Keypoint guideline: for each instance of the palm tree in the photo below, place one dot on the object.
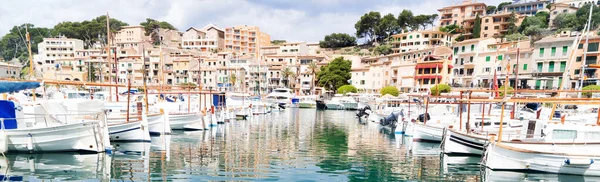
(313, 69)
(233, 80)
(287, 73)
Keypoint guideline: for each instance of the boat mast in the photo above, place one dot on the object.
(31, 74)
(144, 78)
(108, 56)
(581, 73)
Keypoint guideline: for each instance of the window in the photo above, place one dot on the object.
(540, 66)
(593, 47)
(463, 49)
(455, 50)
(471, 59)
(418, 36)
(541, 52)
(551, 66)
(577, 71)
(564, 134)
(564, 51)
(487, 69)
(524, 67)
(410, 37)
(496, 27)
(488, 59)
(487, 20)
(500, 57)
(580, 46)
(473, 47)
(485, 28)
(553, 51)
(591, 60)
(578, 59)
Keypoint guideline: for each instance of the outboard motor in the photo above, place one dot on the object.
(422, 118)
(390, 119)
(363, 111)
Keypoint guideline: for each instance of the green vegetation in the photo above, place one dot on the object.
(89, 32)
(512, 24)
(508, 90)
(188, 84)
(337, 40)
(377, 29)
(477, 27)
(278, 42)
(515, 37)
(451, 29)
(13, 44)
(501, 5)
(390, 90)
(313, 69)
(384, 49)
(590, 87)
(490, 9)
(576, 21)
(335, 74)
(152, 28)
(347, 89)
(287, 73)
(440, 88)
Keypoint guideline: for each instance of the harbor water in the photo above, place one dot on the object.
(292, 145)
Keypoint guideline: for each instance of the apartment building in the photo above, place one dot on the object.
(591, 75)
(578, 3)
(418, 40)
(208, 39)
(132, 37)
(498, 58)
(433, 69)
(245, 40)
(557, 9)
(527, 7)
(456, 14)
(551, 56)
(497, 25)
(56, 59)
(469, 69)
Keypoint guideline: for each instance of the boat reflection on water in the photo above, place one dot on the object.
(55, 166)
(491, 175)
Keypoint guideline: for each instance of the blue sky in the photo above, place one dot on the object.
(293, 20)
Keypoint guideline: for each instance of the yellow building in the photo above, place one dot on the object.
(245, 40)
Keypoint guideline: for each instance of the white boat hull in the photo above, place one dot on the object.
(427, 133)
(129, 132)
(456, 143)
(575, 159)
(83, 137)
(159, 125)
(187, 121)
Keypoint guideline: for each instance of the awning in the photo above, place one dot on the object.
(428, 76)
(432, 66)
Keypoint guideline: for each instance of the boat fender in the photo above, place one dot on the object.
(30, 142)
(579, 161)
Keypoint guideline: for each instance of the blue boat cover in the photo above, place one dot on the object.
(7, 111)
(17, 86)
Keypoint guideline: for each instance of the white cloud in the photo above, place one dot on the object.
(290, 20)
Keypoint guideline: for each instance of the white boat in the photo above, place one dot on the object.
(550, 147)
(334, 104)
(42, 127)
(280, 96)
(440, 117)
(307, 101)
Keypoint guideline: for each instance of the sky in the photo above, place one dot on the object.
(292, 20)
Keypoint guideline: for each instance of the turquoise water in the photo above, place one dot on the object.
(294, 145)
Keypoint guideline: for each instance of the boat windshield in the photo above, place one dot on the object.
(80, 95)
(238, 98)
(280, 91)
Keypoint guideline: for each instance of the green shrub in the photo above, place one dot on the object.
(347, 89)
(389, 90)
(508, 89)
(442, 88)
(590, 87)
